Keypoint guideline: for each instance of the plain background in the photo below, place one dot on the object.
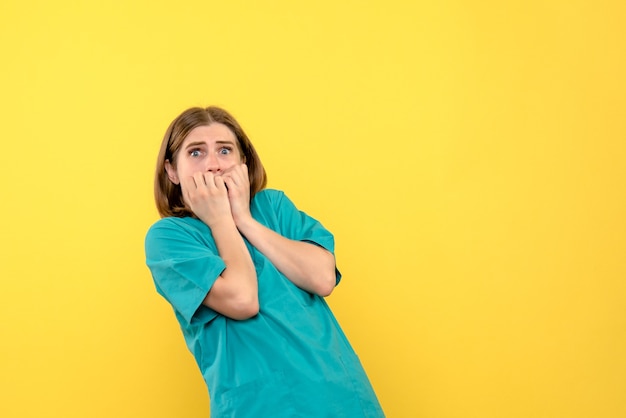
(468, 155)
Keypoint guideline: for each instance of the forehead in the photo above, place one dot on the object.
(215, 132)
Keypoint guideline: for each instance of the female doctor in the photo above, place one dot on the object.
(246, 274)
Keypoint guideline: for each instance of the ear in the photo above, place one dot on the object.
(171, 172)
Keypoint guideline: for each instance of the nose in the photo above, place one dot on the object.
(213, 165)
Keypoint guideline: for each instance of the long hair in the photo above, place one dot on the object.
(167, 195)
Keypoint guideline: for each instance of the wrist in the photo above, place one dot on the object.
(219, 222)
(245, 224)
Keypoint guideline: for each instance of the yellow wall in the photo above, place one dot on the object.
(468, 155)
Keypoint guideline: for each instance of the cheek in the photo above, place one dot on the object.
(189, 167)
(237, 160)
(231, 160)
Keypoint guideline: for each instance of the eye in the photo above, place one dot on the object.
(225, 150)
(195, 152)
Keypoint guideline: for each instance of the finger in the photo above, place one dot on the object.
(231, 178)
(229, 182)
(240, 174)
(187, 183)
(242, 169)
(200, 179)
(218, 181)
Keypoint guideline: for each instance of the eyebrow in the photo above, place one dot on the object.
(201, 143)
(226, 141)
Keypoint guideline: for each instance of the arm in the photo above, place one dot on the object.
(308, 266)
(235, 292)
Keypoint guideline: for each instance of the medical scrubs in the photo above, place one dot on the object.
(290, 360)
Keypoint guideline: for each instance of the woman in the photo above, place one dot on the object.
(246, 273)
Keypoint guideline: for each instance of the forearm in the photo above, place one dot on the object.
(308, 266)
(235, 292)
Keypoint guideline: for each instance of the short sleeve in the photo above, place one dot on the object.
(297, 225)
(183, 266)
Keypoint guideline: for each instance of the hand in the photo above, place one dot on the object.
(238, 184)
(207, 197)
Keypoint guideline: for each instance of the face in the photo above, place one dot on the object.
(211, 148)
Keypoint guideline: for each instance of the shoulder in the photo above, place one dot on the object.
(173, 226)
(269, 194)
(177, 237)
(269, 198)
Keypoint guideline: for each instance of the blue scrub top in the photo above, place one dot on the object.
(290, 360)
